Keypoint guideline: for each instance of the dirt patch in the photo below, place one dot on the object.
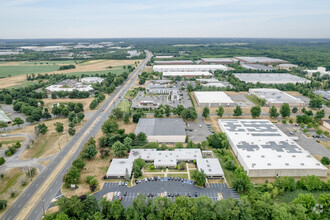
(45, 162)
(128, 127)
(11, 81)
(52, 210)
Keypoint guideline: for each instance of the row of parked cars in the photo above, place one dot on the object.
(210, 128)
(172, 178)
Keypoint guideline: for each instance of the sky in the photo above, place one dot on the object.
(22, 19)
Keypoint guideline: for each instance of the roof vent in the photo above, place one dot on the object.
(302, 164)
(293, 155)
(248, 156)
(263, 156)
(317, 164)
(286, 164)
(279, 156)
(269, 164)
(308, 155)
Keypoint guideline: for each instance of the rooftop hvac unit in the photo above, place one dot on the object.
(269, 164)
(302, 164)
(287, 164)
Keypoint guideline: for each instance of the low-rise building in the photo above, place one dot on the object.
(187, 74)
(321, 70)
(69, 85)
(217, 60)
(161, 89)
(277, 98)
(287, 66)
(163, 130)
(213, 99)
(265, 151)
(263, 60)
(256, 66)
(4, 118)
(188, 68)
(323, 93)
(165, 159)
(326, 123)
(173, 62)
(270, 78)
(91, 80)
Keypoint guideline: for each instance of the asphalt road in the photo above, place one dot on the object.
(92, 129)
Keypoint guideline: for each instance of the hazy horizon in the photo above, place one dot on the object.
(81, 19)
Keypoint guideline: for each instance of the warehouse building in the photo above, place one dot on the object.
(321, 70)
(188, 68)
(91, 80)
(217, 60)
(270, 78)
(277, 98)
(323, 93)
(187, 74)
(4, 118)
(164, 130)
(163, 57)
(161, 89)
(256, 66)
(287, 66)
(69, 85)
(165, 159)
(326, 123)
(265, 151)
(262, 60)
(213, 99)
(173, 62)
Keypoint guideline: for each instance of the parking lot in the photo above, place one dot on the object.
(198, 131)
(169, 188)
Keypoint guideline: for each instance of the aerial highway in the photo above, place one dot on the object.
(34, 201)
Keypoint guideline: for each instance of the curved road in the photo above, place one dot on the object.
(44, 188)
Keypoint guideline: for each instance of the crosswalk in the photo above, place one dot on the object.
(218, 185)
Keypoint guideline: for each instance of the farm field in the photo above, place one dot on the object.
(17, 70)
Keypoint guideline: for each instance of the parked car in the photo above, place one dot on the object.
(125, 193)
(120, 198)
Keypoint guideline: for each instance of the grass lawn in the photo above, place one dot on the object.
(124, 105)
(115, 71)
(177, 170)
(183, 175)
(23, 84)
(130, 94)
(287, 197)
(5, 71)
(147, 168)
(253, 99)
(10, 182)
(228, 173)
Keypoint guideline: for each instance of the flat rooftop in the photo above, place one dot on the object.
(255, 66)
(275, 96)
(173, 61)
(161, 126)
(213, 97)
(270, 78)
(259, 60)
(186, 74)
(323, 93)
(210, 166)
(188, 68)
(4, 117)
(225, 60)
(261, 145)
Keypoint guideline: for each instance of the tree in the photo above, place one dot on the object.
(119, 149)
(181, 166)
(294, 109)
(285, 110)
(3, 204)
(241, 182)
(306, 200)
(40, 129)
(3, 124)
(71, 131)
(167, 110)
(2, 160)
(141, 139)
(273, 112)
(190, 87)
(220, 111)
(316, 102)
(18, 121)
(126, 118)
(118, 112)
(255, 111)
(59, 127)
(72, 177)
(218, 140)
(109, 126)
(206, 112)
(90, 151)
(319, 114)
(325, 161)
(79, 163)
(238, 111)
(199, 177)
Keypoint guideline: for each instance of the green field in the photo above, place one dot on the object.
(6, 71)
(124, 106)
(115, 71)
(23, 84)
(288, 197)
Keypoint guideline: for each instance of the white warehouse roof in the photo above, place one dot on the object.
(188, 68)
(213, 97)
(274, 96)
(270, 78)
(264, 150)
(183, 74)
(92, 80)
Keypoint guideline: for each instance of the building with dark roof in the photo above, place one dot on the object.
(164, 130)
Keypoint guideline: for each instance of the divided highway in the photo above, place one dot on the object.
(37, 197)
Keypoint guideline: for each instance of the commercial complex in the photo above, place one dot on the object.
(265, 151)
(163, 57)
(287, 66)
(217, 60)
(264, 60)
(187, 74)
(270, 78)
(277, 98)
(69, 85)
(161, 89)
(173, 62)
(165, 159)
(252, 66)
(188, 68)
(213, 99)
(164, 130)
